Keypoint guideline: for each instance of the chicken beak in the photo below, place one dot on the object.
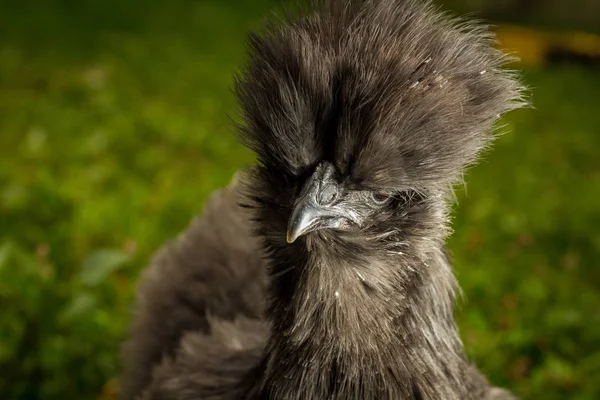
(316, 208)
(305, 218)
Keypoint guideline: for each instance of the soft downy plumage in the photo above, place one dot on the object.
(321, 273)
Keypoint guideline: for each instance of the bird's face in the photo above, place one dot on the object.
(325, 202)
(329, 204)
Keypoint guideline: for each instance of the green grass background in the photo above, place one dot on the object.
(114, 129)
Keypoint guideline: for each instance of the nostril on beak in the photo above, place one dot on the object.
(327, 195)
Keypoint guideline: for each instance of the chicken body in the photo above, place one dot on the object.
(199, 302)
(199, 331)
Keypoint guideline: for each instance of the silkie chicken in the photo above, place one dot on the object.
(321, 272)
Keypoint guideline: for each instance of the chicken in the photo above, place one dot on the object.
(321, 272)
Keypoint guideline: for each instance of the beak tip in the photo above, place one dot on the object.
(290, 238)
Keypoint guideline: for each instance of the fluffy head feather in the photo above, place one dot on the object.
(393, 93)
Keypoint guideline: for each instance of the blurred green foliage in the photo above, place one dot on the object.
(113, 130)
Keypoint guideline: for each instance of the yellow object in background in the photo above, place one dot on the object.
(110, 391)
(536, 47)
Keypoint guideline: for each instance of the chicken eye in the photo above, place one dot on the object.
(380, 198)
